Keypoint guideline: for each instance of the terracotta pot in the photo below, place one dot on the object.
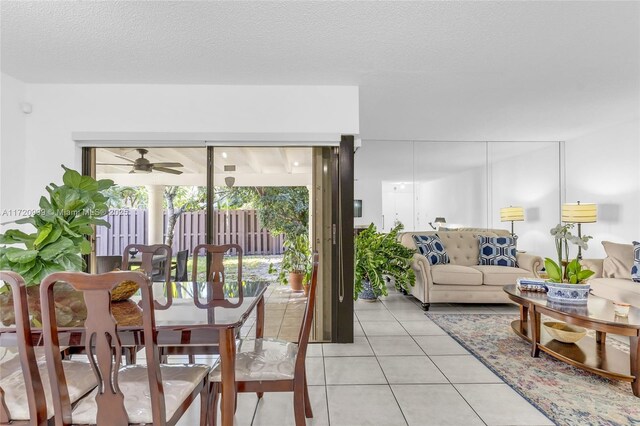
(295, 280)
(305, 288)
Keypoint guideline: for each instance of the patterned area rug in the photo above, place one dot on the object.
(567, 395)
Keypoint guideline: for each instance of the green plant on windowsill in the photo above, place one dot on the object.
(63, 223)
(378, 254)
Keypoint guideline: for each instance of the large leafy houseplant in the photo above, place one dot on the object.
(65, 218)
(378, 254)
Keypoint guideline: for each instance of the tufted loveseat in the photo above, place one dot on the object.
(463, 280)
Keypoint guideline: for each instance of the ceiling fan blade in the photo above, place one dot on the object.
(113, 164)
(165, 170)
(125, 158)
(156, 165)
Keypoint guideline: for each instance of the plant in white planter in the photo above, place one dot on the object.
(566, 282)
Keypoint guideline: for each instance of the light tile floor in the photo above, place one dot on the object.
(402, 369)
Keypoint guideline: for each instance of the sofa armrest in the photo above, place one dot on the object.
(530, 262)
(595, 265)
(421, 266)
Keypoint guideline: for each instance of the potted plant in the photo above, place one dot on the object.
(62, 224)
(566, 283)
(296, 261)
(378, 255)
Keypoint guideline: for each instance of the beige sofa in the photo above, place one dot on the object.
(612, 278)
(463, 280)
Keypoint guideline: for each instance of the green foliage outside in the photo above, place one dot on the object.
(62, 224)
(378, 254)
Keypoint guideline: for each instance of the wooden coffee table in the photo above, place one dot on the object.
(590, 354)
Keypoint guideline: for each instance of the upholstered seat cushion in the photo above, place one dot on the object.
(455, 275)
(617, 289)
(178, 382)
(80, 379)
(501, 275)
(262, 359)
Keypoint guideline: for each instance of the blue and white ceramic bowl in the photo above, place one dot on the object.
(571, 294)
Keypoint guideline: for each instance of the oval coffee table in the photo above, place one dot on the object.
(590, 354)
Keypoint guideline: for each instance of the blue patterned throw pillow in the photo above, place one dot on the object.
(498, 251)
(635, 269)
(431, 247)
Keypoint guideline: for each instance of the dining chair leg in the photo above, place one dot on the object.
(307, 403)
(298, 402)
(214, 397)
(204, 404)
(192, 359)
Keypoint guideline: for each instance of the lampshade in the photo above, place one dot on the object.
(357, 208)
(579, 212)
(508, 214)
(440, 220)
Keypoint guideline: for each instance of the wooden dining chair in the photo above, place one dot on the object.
(216, 265)
(134, 394)
(22, 366)
(25, 393)
(146, 264)
(270, 365)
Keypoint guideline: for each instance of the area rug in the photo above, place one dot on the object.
(565, 394)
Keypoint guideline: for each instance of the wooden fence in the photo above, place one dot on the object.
(233, 226)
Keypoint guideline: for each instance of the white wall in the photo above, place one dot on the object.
(59, 110)
(603, 167)
(460, 197)
(13, 167)
(528, 176)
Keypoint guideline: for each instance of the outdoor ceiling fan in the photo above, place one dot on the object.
(142, 165)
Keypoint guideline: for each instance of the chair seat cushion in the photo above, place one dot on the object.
(80, 380)
(262, 359)
(455, 275)
(501, 275)
(178, 383)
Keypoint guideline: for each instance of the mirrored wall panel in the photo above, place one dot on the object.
(437, 185)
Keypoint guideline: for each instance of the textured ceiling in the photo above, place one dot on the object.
(426, 70)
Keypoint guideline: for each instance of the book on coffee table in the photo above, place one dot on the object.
(531, 284)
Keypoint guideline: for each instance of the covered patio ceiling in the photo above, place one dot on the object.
(273, 166)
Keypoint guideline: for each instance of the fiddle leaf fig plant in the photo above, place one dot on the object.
(65, 218)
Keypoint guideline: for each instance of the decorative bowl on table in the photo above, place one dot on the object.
(123, 291)
(563, 332)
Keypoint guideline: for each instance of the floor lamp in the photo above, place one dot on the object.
(512, 214)
(579, 213)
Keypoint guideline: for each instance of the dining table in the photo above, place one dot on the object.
(194, 318)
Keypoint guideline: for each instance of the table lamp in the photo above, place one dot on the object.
(439, 222)
(512, 214)
(579, 213)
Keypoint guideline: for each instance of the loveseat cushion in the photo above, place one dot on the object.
(431, 247)
(616, 289)
(501, 275)
(498, 251)
(619, 260)
(455, 275)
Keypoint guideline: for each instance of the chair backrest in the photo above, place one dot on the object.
(28, 363)
(307, 319)
(216, 266)
(102, 344)
(182, 257)
(108, 263)
(147, 253)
